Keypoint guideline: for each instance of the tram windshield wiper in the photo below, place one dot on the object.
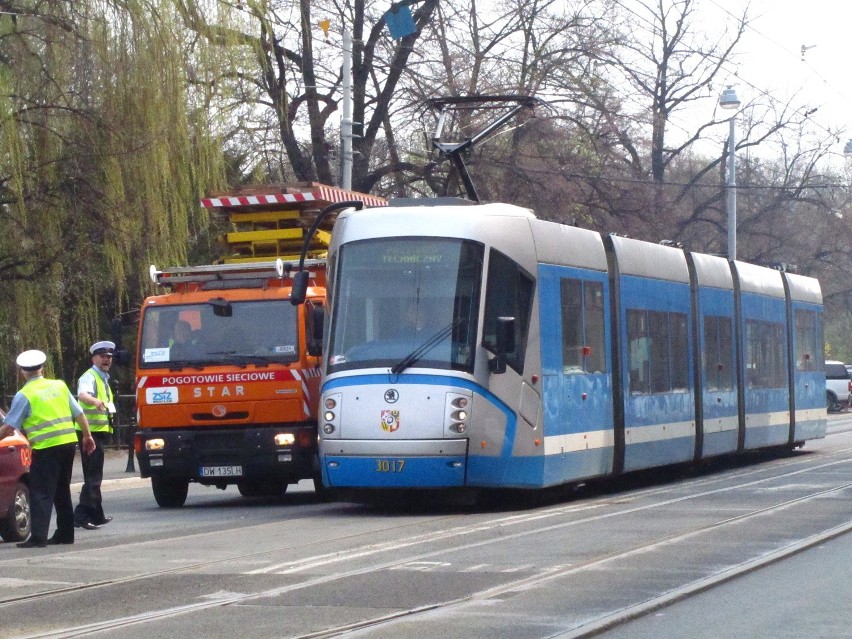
(424, 348)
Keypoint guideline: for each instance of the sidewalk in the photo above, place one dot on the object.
(115, 467)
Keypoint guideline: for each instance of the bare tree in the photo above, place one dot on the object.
(296, 77)
(670, 63)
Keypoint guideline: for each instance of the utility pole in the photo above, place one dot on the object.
(729, 100)
(346, 119)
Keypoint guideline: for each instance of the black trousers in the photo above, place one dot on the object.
(91, 508)
(50, 485)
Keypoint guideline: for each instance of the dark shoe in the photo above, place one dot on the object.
(105, 521)
(87, 525)
(33, 543)
(53, 541)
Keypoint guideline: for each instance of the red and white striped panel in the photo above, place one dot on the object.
(319, 194)
(254, 200)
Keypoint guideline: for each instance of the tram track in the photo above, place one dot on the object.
(502, 531)
(625, 615)
(588, 630)
(318, 560)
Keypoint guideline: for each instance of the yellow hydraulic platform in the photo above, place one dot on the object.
(267, 224)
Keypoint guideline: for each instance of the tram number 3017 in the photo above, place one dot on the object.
(390, 465)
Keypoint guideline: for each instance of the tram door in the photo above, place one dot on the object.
(808, 370)
(717, 374)
(577, 378)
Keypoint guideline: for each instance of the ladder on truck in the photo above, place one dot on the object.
(243, 273)
(266, 224)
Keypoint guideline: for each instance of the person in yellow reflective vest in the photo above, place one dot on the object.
(45, 411)
(95, 397)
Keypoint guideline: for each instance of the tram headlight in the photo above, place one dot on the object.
(460, 402)
(456, 414)
(330, 418)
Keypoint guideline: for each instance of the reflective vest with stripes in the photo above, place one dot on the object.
(98, 419)
(50, 422)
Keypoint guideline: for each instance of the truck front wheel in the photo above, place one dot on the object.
(170, 493)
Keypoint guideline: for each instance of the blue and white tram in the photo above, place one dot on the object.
(477, 346)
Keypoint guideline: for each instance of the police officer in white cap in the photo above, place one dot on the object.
(45, 411)
(95, 396)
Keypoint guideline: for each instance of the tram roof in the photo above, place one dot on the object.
(569, 246)
(645, 259)
(712, 271)
(804, 289)
(759, 280)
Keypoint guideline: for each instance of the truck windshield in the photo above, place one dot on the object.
(218, 332)
(406, 302)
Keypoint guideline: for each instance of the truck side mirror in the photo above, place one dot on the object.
(121, 356)
(115, 331)
(505, 343)
(316, 319)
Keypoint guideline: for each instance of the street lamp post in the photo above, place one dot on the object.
(729, 100)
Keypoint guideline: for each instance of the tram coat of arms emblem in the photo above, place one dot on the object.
(390, 420)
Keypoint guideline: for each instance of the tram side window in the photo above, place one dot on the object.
(582, 326)
(717, 355)
(509, 293)
(764, 355)
(639, 353)
(657, 352)
(808, 351)
(679, 351)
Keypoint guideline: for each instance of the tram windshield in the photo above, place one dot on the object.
(239, 333)
(406, 302)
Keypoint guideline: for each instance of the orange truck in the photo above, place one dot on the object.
(227, 369)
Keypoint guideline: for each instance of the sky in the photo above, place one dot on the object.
(770, 56)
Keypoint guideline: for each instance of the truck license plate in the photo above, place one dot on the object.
(221, 471)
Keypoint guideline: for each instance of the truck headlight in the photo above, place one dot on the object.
(285, 439)
(155, 444)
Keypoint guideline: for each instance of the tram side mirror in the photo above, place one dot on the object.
(300, 288)
(316, 318)
(505, 343)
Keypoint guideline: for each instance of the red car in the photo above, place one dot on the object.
(15, 456)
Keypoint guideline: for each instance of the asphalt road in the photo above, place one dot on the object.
(806, 595)
(754, 549)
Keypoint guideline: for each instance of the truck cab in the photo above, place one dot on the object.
(228, 380)
(227, 365)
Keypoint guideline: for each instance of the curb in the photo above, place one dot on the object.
(117, 484)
